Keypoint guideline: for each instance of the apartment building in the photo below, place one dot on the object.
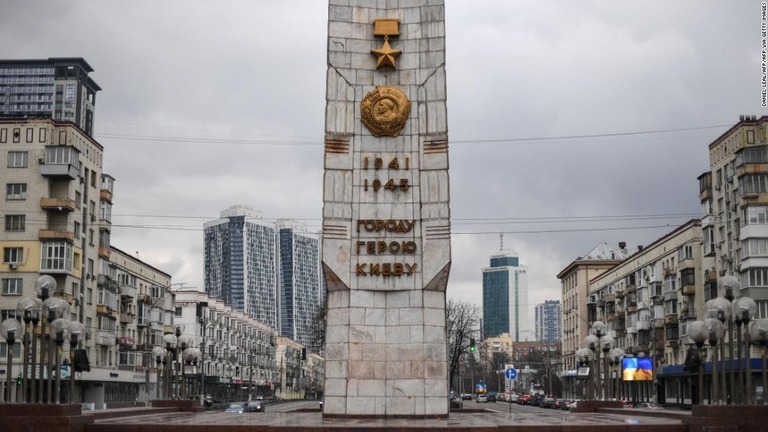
(548, 321)
(574, 283)
(647, 302)
(238, 352)
(56, 88)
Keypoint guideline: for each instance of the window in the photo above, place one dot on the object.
(77, 229)
(17, 159)
(12, 286)
(13, 255)
(42, 133)
(16, 135)
(757, 277)
(687, 277)
(754, 247)
(16, 350)
(78, 199)
(69, 92)
(30, 135)
(16, 191)
(57, 255)
(3, 135)
(90, 237)
(89, 296)
(14, 222)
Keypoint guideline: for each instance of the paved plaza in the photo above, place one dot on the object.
(313, 421)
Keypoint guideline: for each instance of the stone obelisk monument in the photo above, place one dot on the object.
(386, 217)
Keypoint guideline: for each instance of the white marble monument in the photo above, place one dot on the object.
(386, 216)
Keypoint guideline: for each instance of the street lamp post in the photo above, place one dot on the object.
(744, 309)
(54, 308)
(170, 346)
(728, 286)
(76, 335)
(714, 329)
(592, 342)
(614, 357)
(158, 353)
(27, 308)
(720, 308)
(606, 344)
(60, 332)
(698, 332)
(44, 286)
(584, 357)
(9, 330)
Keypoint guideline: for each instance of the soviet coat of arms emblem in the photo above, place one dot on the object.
(385, 110)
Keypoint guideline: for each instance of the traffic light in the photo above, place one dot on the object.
(472, 345)
(18, 380)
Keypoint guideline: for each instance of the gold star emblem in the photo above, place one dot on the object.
(386, 55)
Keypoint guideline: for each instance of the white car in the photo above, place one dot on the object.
(482, 397)
(513, 398)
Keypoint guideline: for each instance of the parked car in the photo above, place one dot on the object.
(235, 407)
(649, 405)
(482, 397)
(514, 398)
(566, 404)
(547, 402)
(524, 399)
(492, 397)
(255, 406)
(466, 396)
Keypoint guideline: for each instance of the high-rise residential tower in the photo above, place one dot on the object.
(548, 321)
(299, 287)
(240, 263)
(505, 297)
(57, 88)
(270, 271)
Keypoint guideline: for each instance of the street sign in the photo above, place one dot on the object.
(511, 373)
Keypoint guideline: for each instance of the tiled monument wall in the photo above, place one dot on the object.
(386, 218)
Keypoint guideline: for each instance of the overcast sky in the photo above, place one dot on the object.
(209, 104)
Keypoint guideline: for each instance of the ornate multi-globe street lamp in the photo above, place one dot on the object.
(744, 309)
(584, 357)
(714, 330)
(59, 332)
(606, 344)
(758, 333)
(159, 354)
(170, 347)
(614, 359)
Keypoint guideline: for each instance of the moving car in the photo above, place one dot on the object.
(255, 406)
(235, 407)
(482, 397)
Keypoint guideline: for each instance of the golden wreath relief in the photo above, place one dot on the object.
(384, 111)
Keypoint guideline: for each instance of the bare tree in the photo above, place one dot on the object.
(317, 327)
(463, 321)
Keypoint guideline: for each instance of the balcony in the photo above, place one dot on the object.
(142, 321)
(61, 161)
(673, 343)
(658, 344)
(105, 338)
(127, 318)
(643, 348)
(57, 204)
(128, 291)
(103, 310)
(144, 298)
(168, 329)
(670, 319)
(631, 309)
(47, 234)
(688, 313)
(689, 290)
(631, 289)
(621, 332)
(611, 317)
(619, 293)
(105, 195)
(64, 296)
(104, 252)
(658, 323)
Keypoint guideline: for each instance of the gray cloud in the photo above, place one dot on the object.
(204, 72)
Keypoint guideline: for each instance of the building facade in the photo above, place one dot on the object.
(647, 302)
(505, 297)
(56, 88)
(238, 352)
(548, 319)
(574, 283)
(299, 288)
(240, 263)
(269, 271)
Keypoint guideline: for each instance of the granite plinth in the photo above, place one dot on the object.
(725, 418)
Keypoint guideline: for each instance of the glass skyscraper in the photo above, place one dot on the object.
(505, 297)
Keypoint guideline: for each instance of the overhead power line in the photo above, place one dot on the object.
(305, 142)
